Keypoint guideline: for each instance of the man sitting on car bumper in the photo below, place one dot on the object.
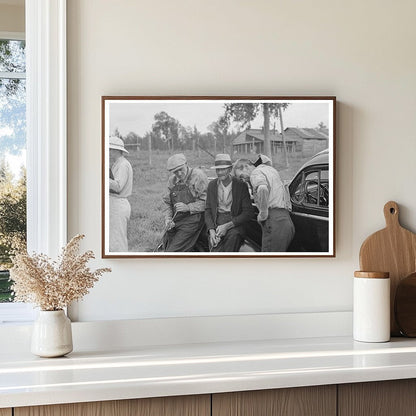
(228, 208)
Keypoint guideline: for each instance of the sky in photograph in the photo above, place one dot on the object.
(138, 117)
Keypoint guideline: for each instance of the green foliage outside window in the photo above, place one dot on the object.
(12, 143)
(12, 223)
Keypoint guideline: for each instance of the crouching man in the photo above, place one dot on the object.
(270, 198)
(185, 205)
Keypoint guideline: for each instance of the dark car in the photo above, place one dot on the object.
(309, 194)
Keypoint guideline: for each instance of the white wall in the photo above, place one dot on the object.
(363, 52)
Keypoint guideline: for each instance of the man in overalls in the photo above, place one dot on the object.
(185, 205)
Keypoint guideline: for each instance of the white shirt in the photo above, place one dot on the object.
(225, 197)
(122, 183)
(268, 176)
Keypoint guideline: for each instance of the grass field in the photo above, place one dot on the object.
(150, 184)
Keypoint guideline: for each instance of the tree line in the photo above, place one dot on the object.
(168, 134)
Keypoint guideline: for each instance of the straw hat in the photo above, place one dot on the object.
(117, 143)
(222, 161)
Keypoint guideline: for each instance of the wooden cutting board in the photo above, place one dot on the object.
(393, 250)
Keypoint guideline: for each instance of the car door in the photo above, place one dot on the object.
(309, 194)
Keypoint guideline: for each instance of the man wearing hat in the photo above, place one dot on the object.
(121, 183)
(185, 205)
(272, 201)
(263, 160)
(228, 208)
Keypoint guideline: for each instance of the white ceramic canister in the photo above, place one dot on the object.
(371, 310)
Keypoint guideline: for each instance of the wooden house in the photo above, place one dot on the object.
(313, 140)
(305, 140)
(252, 141)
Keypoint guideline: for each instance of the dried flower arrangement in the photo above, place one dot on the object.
(53, 285)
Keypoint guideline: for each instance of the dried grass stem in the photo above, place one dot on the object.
(53, 285)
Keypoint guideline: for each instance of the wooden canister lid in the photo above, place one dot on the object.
(372, 275)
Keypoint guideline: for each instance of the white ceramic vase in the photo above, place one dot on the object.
(52, 334)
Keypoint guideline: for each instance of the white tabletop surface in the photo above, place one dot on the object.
(200, 368)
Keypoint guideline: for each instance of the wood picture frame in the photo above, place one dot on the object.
(149, 134)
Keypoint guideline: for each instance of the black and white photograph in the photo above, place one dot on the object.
(218, 176)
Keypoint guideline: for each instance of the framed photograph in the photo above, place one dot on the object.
(218, 176)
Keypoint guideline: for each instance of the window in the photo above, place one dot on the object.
(312, 188)
(316, 188)
(46, 135)
(12, 153)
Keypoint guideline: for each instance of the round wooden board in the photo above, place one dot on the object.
(405, 306)
(392, 250)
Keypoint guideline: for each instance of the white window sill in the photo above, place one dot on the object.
(16, 313)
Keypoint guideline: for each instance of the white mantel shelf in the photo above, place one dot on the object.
(151, 371)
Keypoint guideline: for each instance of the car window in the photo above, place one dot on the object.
(312, 188)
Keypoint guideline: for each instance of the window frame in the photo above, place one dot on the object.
(46, 125)
(46, 136)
